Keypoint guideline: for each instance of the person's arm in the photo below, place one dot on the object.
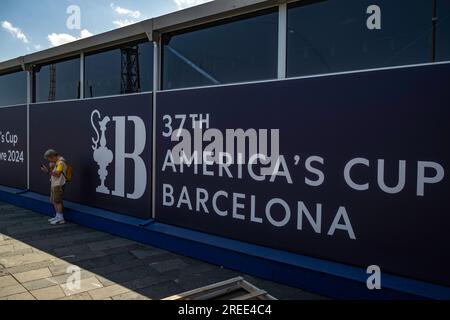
(45, 169)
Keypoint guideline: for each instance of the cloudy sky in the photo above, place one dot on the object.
(27, 26)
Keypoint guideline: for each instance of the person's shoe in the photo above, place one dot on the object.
(58, 220)
(51, 219)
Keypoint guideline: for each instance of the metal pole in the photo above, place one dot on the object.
(156, 87)
(82, 75)
(29, 86)
(282, 40)
(434, 22)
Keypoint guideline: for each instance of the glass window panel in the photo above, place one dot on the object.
(13, 88)
(234, 51)
(117, 71)
(57, 81)
(443, 30)
(333, 35)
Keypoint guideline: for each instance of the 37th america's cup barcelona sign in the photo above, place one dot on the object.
(352, 168)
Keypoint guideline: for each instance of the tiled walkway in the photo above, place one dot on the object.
(36, 261)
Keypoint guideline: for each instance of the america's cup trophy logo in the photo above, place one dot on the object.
(102, 155)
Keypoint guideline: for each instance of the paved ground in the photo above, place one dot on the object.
(35, 257)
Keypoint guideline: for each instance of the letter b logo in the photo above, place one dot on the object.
(122, 156)
(140, 172)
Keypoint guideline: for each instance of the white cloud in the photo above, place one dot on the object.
(15, 32)
(130, 16)
(183, 4)
(57, 39)
(85, 34)
(123, 23)
(136, 14)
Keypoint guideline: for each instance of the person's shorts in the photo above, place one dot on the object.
(57, 194)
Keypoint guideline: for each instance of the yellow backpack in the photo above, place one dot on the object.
(68, 175)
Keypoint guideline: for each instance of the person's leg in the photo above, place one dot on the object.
(52, 196)
(59, 208)
(59, 219)
(58, 194)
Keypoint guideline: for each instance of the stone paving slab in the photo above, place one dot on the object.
(86, 285)
(130, 296)
(6, 248)
(11, 290)
(3, 272)
(21, 259)
(39, 284)
(79, 296)
(36, 261)
(32, 275)
(50, 293)
(20, 296)
(7, 281)
(108, 292)
(31, 266)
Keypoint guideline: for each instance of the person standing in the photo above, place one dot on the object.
(57, 171)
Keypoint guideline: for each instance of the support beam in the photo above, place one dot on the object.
(282, 40)
(156, 87)
(29, 98)
(82, 75)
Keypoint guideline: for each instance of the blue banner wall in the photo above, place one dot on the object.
(361, 176)
(13, 146)
(108, 142)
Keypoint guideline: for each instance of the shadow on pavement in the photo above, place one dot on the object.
(36, 260)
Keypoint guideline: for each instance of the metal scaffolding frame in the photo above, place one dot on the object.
(130, 70)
